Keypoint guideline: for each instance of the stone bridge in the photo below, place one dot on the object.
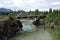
(28, 16)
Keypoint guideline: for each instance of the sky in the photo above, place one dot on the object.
(27, 5)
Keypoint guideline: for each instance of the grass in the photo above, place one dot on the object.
(54, 17)
(3, 16)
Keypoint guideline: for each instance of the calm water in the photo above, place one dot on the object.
(32, 33)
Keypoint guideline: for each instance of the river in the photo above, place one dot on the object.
(32, 33)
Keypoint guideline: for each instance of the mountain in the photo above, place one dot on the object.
(4, 10)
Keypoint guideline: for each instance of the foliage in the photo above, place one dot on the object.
(50, 10)
(52, 16)
(36, 12)
(57, 21)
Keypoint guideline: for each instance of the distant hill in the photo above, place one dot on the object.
(4, 10)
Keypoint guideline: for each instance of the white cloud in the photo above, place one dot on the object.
(26, 4)
(55, 3)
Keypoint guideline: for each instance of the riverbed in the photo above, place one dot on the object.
(33, 33)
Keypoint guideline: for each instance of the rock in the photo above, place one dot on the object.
(36, 23)
(40, 20)
(49, 25)
(11, 27)
(19, 23)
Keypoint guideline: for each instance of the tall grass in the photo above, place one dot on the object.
(54, 17)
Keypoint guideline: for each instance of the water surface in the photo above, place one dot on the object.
(31, 33)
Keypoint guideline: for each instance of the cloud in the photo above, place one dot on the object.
(55, 3)
(27, 4)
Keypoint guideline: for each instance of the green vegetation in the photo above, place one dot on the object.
(54, 17)
(36, 12)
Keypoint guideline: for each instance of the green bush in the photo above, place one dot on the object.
(57, 21)
(52, 16)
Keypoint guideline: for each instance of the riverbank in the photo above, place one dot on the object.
(56, 33)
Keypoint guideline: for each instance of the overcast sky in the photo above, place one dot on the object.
(30, 4)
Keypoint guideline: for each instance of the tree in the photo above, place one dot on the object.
(30, 12)
(50, 10)
(36, 12)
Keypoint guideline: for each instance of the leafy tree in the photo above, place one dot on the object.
(50, 10)
(36, 12)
